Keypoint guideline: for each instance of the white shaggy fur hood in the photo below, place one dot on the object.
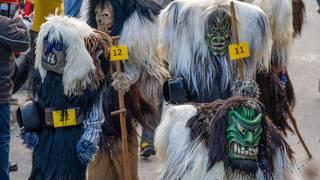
(79, 62)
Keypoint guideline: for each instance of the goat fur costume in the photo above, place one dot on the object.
(64, 152)
(183, 31)
(137, 24)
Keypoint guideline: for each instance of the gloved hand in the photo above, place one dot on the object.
(29, 139)
(246, 88)
(121, 82)
(86, 151)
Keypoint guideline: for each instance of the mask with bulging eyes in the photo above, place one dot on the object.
(54, 56)
(218, 33)
(104, 17)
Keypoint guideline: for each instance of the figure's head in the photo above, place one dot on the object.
(66, 45)
(109, 15)
(104, 16)
(247, 139)
(218, 32)
(243, 133)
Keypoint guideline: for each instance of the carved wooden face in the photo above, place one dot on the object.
(104, 17)
(54, 55)
(218, 34)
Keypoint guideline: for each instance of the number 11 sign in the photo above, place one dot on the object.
(239, 51)
(118, 53)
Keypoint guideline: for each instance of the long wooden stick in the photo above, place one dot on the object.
(236, 36)
(123, 124)
(295, 126)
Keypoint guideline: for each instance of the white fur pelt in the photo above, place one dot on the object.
(183, 44)
(279, 13)
(183, 160)
(141, 36)
(71, 33)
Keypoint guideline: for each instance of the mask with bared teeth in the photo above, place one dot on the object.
(104, 17)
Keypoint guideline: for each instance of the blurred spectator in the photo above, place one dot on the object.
(42, 8)
(8, 8)
(13, 38)
(318, 1)
(72, 7)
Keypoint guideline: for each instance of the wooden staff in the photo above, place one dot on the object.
(236, 36)
(295, 126)
(123, 124)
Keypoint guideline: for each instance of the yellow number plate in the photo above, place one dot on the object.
(118, 53)
(69, 118)
(239, 51)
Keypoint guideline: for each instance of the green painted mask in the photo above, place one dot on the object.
(243, 133)
(218, 34)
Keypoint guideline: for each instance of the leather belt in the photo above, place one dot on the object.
(63, 117)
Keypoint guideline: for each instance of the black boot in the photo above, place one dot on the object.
(147, 149)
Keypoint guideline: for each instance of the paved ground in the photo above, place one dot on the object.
(304, 70)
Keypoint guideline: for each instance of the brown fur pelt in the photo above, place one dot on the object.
(109, 164)
(276, 99)
(210, 123)
(299, 15)
(141, 109)
(152, 92)
(98, 44)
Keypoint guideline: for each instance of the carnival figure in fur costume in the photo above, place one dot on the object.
(194, 39)
(286, 20)
(225, 139)
(66, 108)
(221, 139)
(144, 73)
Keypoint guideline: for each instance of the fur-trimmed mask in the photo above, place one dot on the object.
(109, 15)
(72, 49)
(249, 142)
(104, 16)
(218, 33)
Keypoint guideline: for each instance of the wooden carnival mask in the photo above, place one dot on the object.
(104, 17)
(218, 32)
(54, 55)
(243, 133)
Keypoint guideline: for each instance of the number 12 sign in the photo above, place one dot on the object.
(118, 53)
(239, 51)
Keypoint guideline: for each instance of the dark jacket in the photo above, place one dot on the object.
(14, 37)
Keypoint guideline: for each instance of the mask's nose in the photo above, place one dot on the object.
(248, 137)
